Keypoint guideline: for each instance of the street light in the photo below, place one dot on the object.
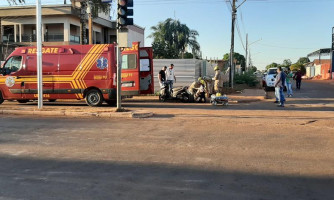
(247, 49)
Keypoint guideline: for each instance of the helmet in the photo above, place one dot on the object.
(202, 81)
(200, 78)
(216, 68)
(218, 94)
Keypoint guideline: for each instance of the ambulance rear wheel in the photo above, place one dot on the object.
(94, 98)
(1, 98)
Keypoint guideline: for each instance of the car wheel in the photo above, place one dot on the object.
(94, 98)
(52, 100)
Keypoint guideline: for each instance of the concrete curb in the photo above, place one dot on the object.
(130, 114)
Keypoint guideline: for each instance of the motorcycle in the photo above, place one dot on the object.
(178, 93)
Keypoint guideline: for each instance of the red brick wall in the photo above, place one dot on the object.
(325, 69)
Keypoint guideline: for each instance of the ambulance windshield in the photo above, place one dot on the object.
(12, 65)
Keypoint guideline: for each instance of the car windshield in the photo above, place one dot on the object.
(272, 71)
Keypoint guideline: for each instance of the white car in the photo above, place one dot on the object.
(269, 79)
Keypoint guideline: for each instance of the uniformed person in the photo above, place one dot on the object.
(218, 87)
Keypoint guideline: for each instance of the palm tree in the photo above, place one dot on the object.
(171, 38)
(15, 1)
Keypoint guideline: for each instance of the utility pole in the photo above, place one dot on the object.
(246, 67)
(39, 53)
(234, 15)
(332, 55)
(90, 22)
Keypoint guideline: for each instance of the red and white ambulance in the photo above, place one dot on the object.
(77, 72)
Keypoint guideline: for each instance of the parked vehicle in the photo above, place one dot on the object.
(269, 79)
(77, 72)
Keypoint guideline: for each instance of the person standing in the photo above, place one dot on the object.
(218, 80)
(279, 86)
(298, 78)
(162, 76)
(171, 79)
(289, 77)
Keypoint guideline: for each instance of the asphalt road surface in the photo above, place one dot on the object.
(247, 151)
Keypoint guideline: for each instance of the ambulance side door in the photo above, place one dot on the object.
(146, 71)
(130, 74)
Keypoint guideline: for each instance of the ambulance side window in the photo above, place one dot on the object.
(129, 61)
(13, 64)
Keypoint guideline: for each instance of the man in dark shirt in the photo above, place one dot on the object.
(162, 76)
(298, 78)
(279, 86)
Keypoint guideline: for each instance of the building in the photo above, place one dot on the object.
(318, 69)
(61, 26)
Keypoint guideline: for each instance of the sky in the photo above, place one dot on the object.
(281, 29)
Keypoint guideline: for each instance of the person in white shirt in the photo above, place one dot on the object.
(171, 77)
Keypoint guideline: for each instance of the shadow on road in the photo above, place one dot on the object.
(25, 178)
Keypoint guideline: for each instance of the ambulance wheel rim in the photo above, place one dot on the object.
(94, 98)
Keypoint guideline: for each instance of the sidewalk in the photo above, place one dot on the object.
(71, 110)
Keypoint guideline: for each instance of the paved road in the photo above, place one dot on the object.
(181, 153)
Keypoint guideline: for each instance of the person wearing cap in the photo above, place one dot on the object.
(171, 79)
(193, 88)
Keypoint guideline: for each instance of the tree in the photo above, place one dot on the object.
(171, 39)
(15, 1)
(238, 57)
(253, 69)
(303, 60)
(272, 65)
(286, 63)
(298, 66)
(96, 7)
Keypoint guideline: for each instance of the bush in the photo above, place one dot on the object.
(247, 78)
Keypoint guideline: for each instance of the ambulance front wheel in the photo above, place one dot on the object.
(94, 98)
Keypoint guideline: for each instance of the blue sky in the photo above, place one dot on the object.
(289, 29)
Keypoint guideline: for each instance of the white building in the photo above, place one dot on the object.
(61, 26)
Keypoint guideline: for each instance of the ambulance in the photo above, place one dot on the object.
(77, 72)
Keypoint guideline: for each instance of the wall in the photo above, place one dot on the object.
(325, 71)
(186, 70)
(317, 70)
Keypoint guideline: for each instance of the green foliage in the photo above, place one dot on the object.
(252, 69)
(188, 55)
(286, 63)
(272, 65)
(15, 1)
(298, 66)
(241, 60)
(171, 39)
(303, 60)
(247, 78)
(97, 7)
